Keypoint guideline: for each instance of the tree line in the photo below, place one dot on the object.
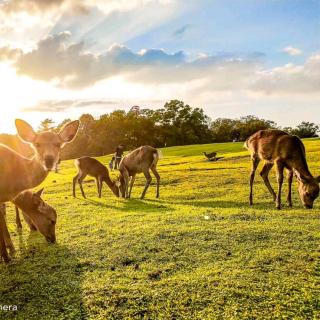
(176, 123)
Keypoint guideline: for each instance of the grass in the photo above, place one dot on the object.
(197, 252)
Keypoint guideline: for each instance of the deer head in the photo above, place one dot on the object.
(42, 215)
(308, 190)
(120, 183)
(47, 145)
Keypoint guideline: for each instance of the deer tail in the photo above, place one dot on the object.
(157, 154)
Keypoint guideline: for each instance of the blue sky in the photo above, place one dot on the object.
(240, 26)
(233, 57)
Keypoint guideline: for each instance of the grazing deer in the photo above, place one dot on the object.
(94, 168)
(37, 213)
(140, 160)
(18, 173)
(286, 152)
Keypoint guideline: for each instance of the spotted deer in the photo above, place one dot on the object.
(285, 151)
(18, 173)
(94, 168)
(140, 160)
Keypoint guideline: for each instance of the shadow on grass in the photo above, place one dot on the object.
(45, 282)
(148, 205)
(233, 204)
(138, 204)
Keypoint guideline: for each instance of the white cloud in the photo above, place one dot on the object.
(292, 51)
(69, 65)
(291, 79)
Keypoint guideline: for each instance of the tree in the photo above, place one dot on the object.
(46, 124)
(306, 130)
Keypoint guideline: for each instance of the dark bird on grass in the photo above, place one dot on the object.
(210, 156)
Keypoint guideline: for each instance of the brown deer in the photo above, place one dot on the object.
(285, 151)
(94, 168)
(18, 173)
(140, 160)
(37, 213)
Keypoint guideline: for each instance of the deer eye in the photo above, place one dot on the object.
(58, 145)
(37, 145)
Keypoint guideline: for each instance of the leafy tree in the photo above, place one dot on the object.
(306, 130)
(46, 124)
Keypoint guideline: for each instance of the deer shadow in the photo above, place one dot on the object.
(44, 282)
(270, 205)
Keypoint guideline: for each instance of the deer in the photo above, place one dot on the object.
(140, 160)
(94, 168)
(39, 215)
(285, 151)
(18, 173)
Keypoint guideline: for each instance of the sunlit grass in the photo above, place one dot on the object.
(198, 252)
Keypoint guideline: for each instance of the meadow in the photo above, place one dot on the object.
(198, 252)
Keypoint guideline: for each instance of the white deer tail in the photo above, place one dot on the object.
(160, 155)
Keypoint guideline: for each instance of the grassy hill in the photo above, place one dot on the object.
(198, 252)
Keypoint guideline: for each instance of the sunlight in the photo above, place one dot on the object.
(17, 93)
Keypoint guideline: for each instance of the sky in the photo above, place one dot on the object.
(62, 58)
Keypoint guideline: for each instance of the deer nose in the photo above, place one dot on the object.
(49, 162)
(51, 239)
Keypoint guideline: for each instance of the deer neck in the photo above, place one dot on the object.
(34, 173)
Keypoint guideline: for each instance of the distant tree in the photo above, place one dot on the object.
(224, 129)
(287, 129)
(306, 130)
(61, 124)
(46, 124)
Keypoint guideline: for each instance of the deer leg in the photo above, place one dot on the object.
(6, 234)
(3, 249)
(279, 167)
(100, 186)
(80, 179)
(156, 174)
(290, 178)
(133, 178)
(75, 180)
(255, 162)
(149, 179)
(18, 221)
(264, 174)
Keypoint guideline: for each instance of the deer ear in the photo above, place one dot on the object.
(69, 131)
(25, 131)
(39, 192)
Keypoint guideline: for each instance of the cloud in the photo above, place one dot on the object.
(291, 79)
(291, 51)
(75, 7)
(63, 105)
(7, 53)
(71, 66)
(38, 6)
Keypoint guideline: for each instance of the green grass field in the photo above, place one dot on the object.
(197, 252)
